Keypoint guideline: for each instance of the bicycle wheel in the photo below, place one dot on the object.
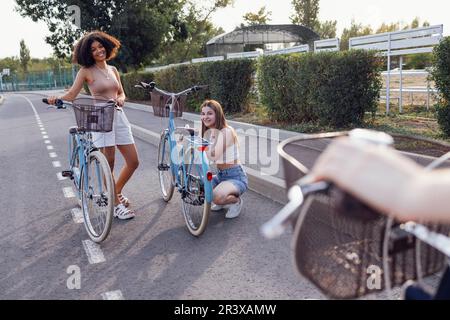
(196, 209)
(166, 178)
(97, 197)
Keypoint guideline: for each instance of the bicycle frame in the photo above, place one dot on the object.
(176, 161)
(84, 146)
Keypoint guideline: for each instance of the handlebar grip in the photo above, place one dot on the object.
(198, 88)
(58, 103)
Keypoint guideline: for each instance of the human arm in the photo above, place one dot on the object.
(121, 93)
(74, 89)
(387, 181)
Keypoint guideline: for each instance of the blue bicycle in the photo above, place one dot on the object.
(182, 160)
(89, 168)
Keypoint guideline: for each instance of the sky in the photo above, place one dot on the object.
(13, 27)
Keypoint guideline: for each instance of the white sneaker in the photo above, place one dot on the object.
(122, 212)
(216, 207)
(234, 210)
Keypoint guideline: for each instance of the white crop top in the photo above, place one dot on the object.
(231, 152)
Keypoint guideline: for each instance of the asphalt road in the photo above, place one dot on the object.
(150, 257)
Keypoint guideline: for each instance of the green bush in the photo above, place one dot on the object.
(229, 82)
(440, 74)
(332, 88)
(181, 77)
(418, 61)
(443, 118)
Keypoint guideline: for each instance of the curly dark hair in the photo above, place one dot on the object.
(82, 54)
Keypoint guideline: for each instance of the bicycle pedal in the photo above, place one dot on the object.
(67, 174)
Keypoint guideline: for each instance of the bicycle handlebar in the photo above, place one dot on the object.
(152, 86)
(60, 104)
(276, 226)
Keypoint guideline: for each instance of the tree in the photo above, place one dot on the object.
(24, 56)
(355, 30)
(305, 13)
(11, 63)
(389, 27)
(141, 26)
(416, 24)
(190, 31)
(327, 29)
(253, 19)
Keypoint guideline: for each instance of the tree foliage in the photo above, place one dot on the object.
(260, 17)
(141, 26)
(355, 30)
(326, 29)
(24, 56)
(190, 30)
(305, 13)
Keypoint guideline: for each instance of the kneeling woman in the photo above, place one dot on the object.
(231, 181)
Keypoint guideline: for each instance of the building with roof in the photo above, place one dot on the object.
(237, 40)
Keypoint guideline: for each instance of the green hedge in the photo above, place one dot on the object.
(181, 77)
(331, 88)
(440, 74)
(229, 82)
(129, 80)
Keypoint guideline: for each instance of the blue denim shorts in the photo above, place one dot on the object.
(236, 175)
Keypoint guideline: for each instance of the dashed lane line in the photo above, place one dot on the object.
(77, 215)
(113, 295)
(68, 192)
(93, 252)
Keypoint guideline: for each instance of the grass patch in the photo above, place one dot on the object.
(415, 121)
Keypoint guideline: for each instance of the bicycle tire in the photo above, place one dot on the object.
(90, 200)
(166, 178)
(194, 196)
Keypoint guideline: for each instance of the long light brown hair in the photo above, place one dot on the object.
(221, 122)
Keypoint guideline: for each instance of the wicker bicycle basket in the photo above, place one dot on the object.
(161, 105)
(94, 115)
(343, 246)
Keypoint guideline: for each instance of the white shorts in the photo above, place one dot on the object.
(120, 134)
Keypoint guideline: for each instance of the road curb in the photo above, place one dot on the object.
(2, 98)
(188, 116)
(267, 186)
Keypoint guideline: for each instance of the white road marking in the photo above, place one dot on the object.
(44, 137)
(42, 129)
(49, 147)
(47, 141)
(93, 252)
(52, 155)
(56, 164)
(113, 295)
(60, 177)
(68, 192)
(44, 133)
(77, 215)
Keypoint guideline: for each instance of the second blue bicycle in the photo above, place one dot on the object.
(182, 160)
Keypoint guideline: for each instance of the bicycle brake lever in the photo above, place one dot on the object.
(276, 226)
